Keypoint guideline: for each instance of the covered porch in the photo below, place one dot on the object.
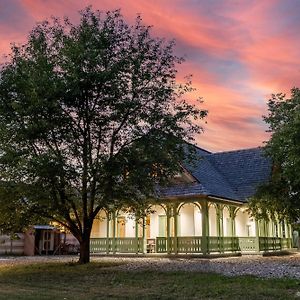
(191, 227)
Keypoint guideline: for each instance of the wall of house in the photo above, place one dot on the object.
(153, 228)
(99, 225)
(186, 220)
(244, 225)
(227, 228)
(130, 226)
(212, 216)
(189, 220)
(198, 221)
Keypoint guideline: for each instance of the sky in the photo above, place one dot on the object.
(239, 52)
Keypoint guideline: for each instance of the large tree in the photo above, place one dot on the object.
(91, 117)
(281, 196)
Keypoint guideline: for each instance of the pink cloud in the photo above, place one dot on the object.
(238, 51)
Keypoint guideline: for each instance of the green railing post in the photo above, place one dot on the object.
(205, 228)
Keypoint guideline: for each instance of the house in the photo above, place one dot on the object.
(203, 211)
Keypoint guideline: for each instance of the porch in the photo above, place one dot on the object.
(198, 227)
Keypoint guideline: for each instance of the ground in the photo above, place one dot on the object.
(59, 277)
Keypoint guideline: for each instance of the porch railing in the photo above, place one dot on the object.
(161, 244)
(117, 245)
(286, 243)
(253, 244)
(190, 244)
(248, 244)
(194, 244)
(269, 244)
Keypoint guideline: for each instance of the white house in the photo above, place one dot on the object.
(203, 211)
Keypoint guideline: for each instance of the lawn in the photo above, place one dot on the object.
(102, 281)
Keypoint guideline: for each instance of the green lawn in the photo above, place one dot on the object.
(101, 281)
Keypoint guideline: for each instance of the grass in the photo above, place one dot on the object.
(101, 281)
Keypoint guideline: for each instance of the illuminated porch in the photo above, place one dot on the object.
(198, 227)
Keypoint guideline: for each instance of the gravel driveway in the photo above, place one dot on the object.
(268, 267)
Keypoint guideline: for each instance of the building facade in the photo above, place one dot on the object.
(203, 211)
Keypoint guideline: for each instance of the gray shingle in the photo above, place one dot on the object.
(232, 175)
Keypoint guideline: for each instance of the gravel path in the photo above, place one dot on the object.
(267, 267)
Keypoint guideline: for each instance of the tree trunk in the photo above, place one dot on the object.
(84, 257)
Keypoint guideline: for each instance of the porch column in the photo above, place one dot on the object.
(219, 223)
(144, 236)
(136, 235)
(232, 220)
(279, 224)
(272, 232)
(114, 232)
(205, 228)
(107, 232)
(290, 236)
(266, 226)
(257, 235)
(168, 212)
(175, 216)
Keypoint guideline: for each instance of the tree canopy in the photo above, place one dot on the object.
(281, 196)
(92, 117)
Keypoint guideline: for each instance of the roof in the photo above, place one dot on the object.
(233, 175)
(44, 227)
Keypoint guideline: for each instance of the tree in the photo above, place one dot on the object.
(16, 214)
(281, 196)
(91, 117)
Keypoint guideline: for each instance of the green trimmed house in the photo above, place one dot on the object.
(204, 211)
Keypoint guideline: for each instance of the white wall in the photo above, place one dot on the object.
(186, 220)
(129, 225)
(198, 221)
(212, 220)
(227, 231)
(242, 222)
(154, 226)
(99, 226)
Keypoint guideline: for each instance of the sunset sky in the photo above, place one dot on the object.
(239, 52)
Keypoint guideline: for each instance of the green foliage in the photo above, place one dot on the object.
(16, 213)
(282, 195)
(91, 117)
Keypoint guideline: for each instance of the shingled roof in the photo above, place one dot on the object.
(233, 175)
